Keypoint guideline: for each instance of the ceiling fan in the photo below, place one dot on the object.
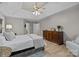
(38, 8)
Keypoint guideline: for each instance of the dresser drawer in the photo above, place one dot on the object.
(53, 36)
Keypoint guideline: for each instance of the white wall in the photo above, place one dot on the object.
(69, 19)
(18, 24)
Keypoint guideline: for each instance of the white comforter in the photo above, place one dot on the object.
(24, 41)
(37, 40)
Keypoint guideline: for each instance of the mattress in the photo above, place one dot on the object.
(19, 43)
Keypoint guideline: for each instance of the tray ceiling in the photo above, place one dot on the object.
(24, 9)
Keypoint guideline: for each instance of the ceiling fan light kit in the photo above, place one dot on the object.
(36, 13)
(37, 9)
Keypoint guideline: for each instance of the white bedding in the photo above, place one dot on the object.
(38, 40)
(24, 41)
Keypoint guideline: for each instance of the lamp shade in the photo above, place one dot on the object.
(8, 26)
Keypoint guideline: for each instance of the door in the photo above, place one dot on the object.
(36, 28)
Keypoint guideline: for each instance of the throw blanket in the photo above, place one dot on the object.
(38, 40)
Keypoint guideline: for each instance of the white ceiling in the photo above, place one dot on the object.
(24, 9)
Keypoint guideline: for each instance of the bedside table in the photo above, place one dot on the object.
(5, 51)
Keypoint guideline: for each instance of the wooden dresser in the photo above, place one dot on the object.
(53, 36)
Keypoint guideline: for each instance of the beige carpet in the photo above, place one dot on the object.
(54, 50)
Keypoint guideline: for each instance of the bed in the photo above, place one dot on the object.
(24, 42)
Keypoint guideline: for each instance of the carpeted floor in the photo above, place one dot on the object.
(51, 50)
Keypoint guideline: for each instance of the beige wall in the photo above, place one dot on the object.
(69, 19)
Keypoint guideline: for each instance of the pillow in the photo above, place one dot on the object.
(77, 40)
(2, 39)
(9, 35)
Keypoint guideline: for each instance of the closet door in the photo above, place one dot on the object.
(36, 28)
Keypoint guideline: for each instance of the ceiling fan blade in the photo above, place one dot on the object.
(43, 5)
(35, 7)
(41, 9)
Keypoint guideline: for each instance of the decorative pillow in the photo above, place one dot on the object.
(9, 36)
(2, 39)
